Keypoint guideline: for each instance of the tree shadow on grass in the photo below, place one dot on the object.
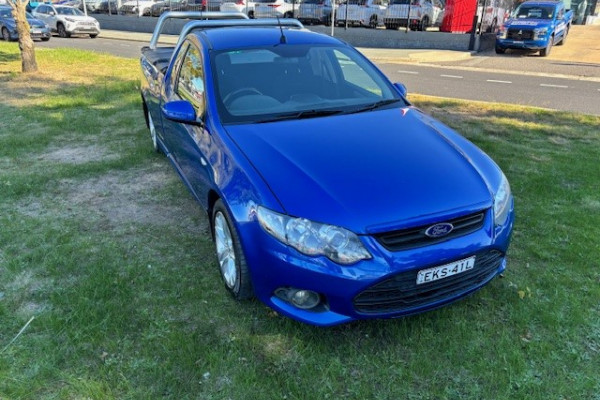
(8, 57)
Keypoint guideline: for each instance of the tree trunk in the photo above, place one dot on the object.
(28, 62)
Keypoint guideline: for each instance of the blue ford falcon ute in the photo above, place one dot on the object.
(330, 197)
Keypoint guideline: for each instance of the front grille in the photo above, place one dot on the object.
(401, 292)
(520, 34)
(416, 237)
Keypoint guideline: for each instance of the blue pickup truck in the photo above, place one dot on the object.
(328, 195)
(535, 25)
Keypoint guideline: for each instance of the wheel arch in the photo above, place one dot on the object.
(213, 196)
(145, 108)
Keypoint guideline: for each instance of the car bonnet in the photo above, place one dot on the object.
(360, 171)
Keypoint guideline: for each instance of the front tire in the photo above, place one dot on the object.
(373, 22)
(546, 52)
(424, 24)
(231, 259)
(62, 31)
(500, 50)
(5, 34)
(93, 35)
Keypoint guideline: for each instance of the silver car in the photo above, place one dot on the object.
(315, 12)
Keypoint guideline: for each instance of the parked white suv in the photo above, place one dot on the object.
(137, 7)
(67, 21)
(423, 13)
(242, 6)
(361, 12)
(276, 8)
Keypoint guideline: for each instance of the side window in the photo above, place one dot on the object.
(177, 65)
(190, 83)
(355, 75)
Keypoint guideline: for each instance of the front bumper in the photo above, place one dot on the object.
(382, 287)
(79, 29)
(34, 32)
(521, 44)
(40, 33)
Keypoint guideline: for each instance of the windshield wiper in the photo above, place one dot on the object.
(300, 115)
(375, 105)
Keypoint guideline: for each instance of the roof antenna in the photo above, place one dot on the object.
(282, 39)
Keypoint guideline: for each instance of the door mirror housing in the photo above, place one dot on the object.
(180, 111)
(401, 89)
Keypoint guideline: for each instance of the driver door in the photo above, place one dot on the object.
(189, 144)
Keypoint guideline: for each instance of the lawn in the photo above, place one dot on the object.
(101, 244)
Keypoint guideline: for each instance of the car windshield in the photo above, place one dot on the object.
(399, 2)
(297, 81)
(68, 11)
(531, 11)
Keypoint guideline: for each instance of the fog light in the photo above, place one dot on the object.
(304, 299)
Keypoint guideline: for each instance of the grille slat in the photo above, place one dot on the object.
(415, 237)
(401, 291)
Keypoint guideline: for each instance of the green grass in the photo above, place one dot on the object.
(102, 244)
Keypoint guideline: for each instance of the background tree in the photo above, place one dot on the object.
(28, 62)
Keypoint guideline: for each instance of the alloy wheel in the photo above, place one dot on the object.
(225, 250)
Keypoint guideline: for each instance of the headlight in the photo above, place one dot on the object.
(539, 32)
(70, 19)
(502, 202)
(312, 238)
(502, 33)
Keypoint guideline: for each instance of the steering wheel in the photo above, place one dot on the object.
(239, 92)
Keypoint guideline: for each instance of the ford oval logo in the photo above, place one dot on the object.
(439, 230)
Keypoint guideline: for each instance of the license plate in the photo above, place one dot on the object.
(444, 271)
(36, 31)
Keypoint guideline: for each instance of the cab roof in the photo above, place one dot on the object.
(543, 2)
(236, 37)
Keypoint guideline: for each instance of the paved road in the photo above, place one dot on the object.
(121, 48)
(567, 94)
(515, 61)
(463, 81)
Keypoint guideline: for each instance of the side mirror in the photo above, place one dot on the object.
(52, 13)
(401, 89)
(180, 111)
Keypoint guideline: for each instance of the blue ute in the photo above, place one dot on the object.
(330, 197)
